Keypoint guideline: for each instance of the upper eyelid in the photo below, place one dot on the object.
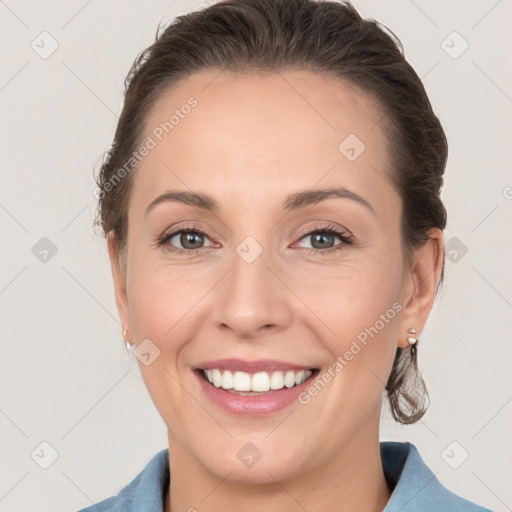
(302, 233)
(324, 227)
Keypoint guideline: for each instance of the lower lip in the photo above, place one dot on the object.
(252, 405)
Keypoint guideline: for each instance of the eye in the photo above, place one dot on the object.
(322, 239)
(191, 239)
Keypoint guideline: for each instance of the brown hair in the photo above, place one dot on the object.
(325, 37)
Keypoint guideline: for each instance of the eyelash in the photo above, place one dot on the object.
(345, 238)
(162, 240)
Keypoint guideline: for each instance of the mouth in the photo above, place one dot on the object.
(243, 383)
(253, 389)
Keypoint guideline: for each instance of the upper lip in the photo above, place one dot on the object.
(251, 366)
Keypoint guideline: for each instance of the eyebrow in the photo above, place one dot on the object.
(293, 202)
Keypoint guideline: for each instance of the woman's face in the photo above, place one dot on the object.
(256, 294)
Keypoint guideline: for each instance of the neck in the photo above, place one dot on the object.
(353, 479)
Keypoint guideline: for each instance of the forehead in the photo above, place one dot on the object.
(259, 133)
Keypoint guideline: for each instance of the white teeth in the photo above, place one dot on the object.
(217, 378)
(241, 381)
(258, 382)
(289, 379)
(227, 380)
(277, 380)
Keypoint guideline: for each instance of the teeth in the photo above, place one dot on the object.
(289, 379)
(258, 382)
(217, 378)
(241, 381)
(277, 380)
(300, 377)
(227, 380)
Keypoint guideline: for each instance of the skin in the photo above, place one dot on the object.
(250, 142)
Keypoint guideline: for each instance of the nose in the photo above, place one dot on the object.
(252, 301)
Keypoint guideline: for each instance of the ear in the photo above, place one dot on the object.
(420, 286)
(119, 278)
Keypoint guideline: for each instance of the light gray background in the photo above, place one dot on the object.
(65, 376)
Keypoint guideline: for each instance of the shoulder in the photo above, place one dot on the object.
(145, 492)
(416, 488)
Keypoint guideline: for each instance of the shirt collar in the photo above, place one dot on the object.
(416, 488)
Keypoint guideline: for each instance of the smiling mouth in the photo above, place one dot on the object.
(247, 384)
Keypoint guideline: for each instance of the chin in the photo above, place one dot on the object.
(255, 461)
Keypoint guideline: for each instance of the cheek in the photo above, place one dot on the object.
(359, 305)
(354, 294)
(160, 311)
(152, 310)
(164, 308)
(159, 298)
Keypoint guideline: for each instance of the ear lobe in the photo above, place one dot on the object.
(119, 279)
(420, 287)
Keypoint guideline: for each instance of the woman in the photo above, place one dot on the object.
(272, 210)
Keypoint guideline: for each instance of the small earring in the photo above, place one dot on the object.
(412, 340)
(129, 346)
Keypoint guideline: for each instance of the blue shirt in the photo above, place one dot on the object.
(416, 488)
